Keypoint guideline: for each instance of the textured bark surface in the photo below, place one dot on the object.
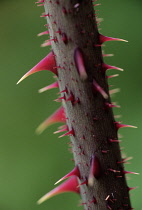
(72, 26)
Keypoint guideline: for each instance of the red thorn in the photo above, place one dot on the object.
(113, 91)
(117, 116)
(57, 2)
(97, 5)
(53, 85)
(80, 64)
(45, 15)
(85, 182)
(70, 133)
(93, 200)
(70, 98)
(106, 67)
(95, 170)
(108, 55)
(103, 39)
(111, 105)
(76, 101)
(68, 186)
(43, 33)
(62, 130)
(130, 172)
(118, 125)
(124, 160)
(61, 98)
(64, 10)
(59, 31)
(64, 38)
(113, 170)
(46, 43)
(47, 63)
(100, 89)
(58, 116)
(105, 151)
(131, 188)
(83, 203)
(64, 91)
(75, 172)
(114, 140)
(111, 76)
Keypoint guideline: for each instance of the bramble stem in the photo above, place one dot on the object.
(82, 74)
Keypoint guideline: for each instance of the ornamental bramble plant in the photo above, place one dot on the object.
(77, 62)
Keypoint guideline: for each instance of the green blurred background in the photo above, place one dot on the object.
(31, 164)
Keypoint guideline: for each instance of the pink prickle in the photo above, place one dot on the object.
(80, 64)
(60, 98)
(69, 133)
(64, 10)
(114, 140)
(131, 188)
(64, 91)
(103, 39)
(83, 183)
(65, 128)
(75, 172)
(43, 33)
(111, 76)
(53, 85)
(113, 91)
(46, 43)
(98, 88)
(64, 38)
(71, 185)
(58, 116)
(124, 160)
(130, 172)
(45, 15)
(111, 105)
(119, 125)
(106, 67)
(47, 63)
(70, 98)
(95, 170)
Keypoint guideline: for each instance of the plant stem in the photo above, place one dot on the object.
(75, 39)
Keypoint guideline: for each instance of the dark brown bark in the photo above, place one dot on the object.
(72, 25)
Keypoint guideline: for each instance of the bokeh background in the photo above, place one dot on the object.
(31, 164)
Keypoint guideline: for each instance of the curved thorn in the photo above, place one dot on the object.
(68, 186)
(47, 63)
(107, 67)
(95, 170)
(80, 64)
(53, 85)
(100, 89)
(65, 128)
(70, 133)
(111, 76)
(119, 125)
(75, 172)
(113, 91)
(103, 39)
(58, 116)
(43, 33)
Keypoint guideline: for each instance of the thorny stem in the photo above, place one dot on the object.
(73, 29)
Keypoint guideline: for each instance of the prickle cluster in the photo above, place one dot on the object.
(76, 59)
